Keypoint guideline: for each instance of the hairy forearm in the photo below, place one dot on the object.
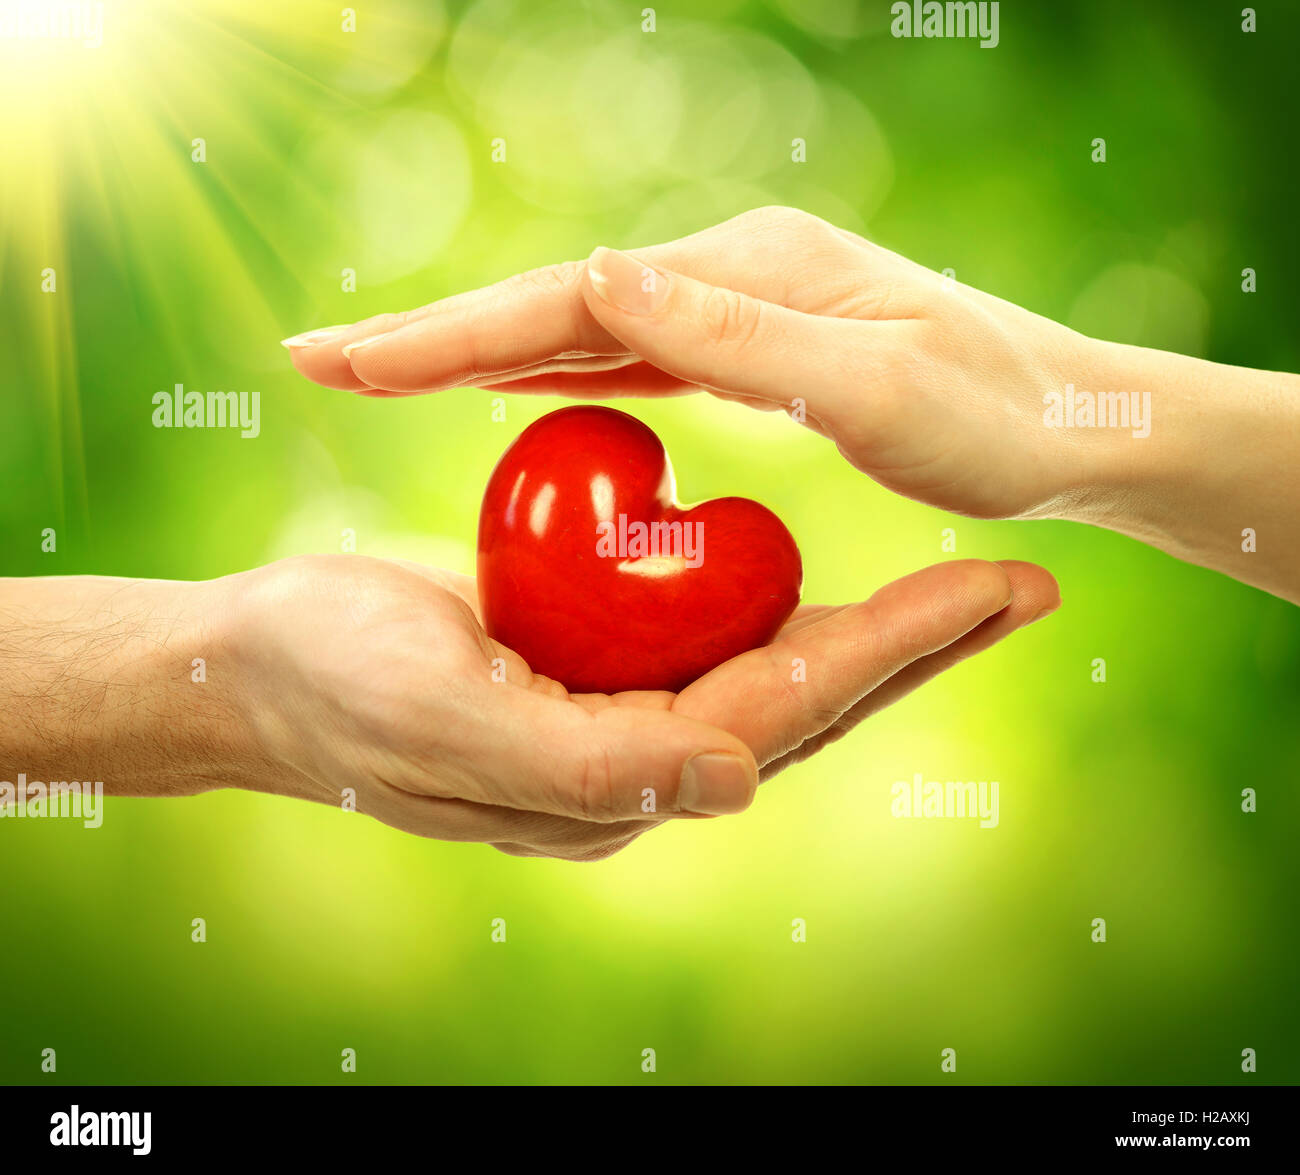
(112, 681)
(1217, 481)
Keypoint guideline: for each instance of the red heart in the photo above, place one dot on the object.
(570, 581)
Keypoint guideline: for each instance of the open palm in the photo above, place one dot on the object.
(378, 681)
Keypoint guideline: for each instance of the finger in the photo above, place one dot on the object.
(322, 355)
(633, 379)
(779, 255)
(528, 833)
(318, 354)
(482, 332)
(527, 319)
(546, 754)
(1035, 594)
(778, 697)
(721, 338)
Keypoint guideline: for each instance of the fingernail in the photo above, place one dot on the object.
(716, 784)
(312, 337)
(1044, 612)
(625, 283)
(347, 351)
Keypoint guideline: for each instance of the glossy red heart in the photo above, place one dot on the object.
(592, 572)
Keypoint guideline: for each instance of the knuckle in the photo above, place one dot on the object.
(550, 279)
(594, 788)
(779, 216)
(729, 317)
(814, 716)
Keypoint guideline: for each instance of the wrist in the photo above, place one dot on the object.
(1134, 441)
(1211, 477)
(259, 707)
(244, 728)
(216, 743)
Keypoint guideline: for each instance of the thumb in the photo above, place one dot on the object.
(549, 755)
(707, 335)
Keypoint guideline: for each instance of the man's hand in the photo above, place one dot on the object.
(340, 677)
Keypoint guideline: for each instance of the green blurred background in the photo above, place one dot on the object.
(371, 150)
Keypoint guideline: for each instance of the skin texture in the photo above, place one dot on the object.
(329, 673)
(934, 389)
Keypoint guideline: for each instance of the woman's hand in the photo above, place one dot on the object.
(934, 389)
(376, 677)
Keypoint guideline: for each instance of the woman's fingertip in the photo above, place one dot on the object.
(625, 283)
(313, 338)
(352, 348)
